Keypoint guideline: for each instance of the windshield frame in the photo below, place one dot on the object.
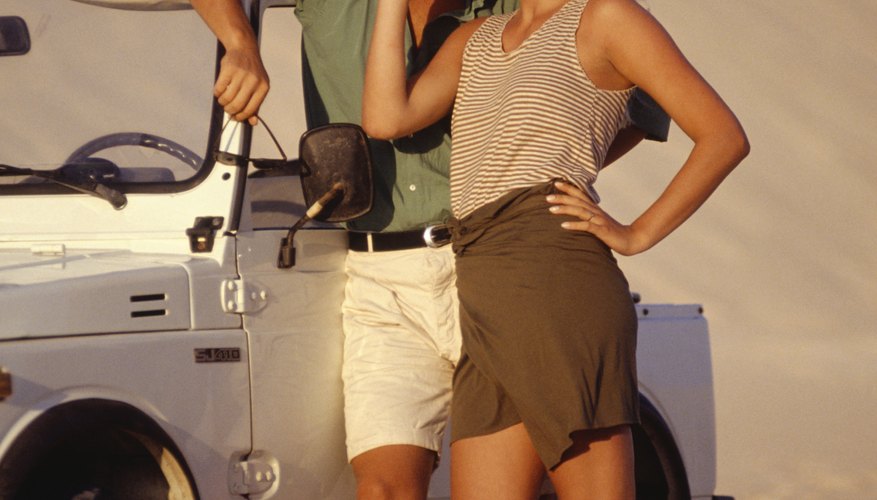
(212, 120)
(215, 129)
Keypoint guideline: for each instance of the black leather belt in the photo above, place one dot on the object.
(432, 236)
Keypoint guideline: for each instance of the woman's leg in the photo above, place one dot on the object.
(501, 466)
(598, 466)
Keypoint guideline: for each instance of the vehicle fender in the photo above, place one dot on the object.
(75, 428)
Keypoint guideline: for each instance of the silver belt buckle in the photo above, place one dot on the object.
(437, 236)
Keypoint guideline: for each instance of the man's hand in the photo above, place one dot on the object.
(242, 83)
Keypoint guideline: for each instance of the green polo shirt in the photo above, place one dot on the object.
(410, 174)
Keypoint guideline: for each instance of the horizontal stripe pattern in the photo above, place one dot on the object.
(529, 115)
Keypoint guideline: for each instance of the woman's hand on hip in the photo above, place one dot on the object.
(590, 218)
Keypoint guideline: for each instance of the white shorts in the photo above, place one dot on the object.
(401, 343)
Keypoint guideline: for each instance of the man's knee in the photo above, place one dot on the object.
(396, 472)
(383, 488)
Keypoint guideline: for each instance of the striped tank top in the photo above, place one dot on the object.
(529, 115)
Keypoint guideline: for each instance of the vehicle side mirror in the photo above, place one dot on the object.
(336, 157)
(336, 178)
(14, 36)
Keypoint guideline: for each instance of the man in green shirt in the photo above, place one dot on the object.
(402, 340)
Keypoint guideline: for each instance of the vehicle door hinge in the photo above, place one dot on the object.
(252, 475)
(240, 297)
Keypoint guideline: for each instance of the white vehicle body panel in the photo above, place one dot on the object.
(298, 412)
(199, 406)
(91, 293)
(675, 375)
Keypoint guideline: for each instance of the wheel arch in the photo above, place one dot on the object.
(659, 467)
(100, 430)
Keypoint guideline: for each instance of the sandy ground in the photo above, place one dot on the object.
(783, 256)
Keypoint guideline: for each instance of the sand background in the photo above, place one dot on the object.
(784, 256)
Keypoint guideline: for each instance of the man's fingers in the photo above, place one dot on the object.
(235, 99)
(228, 94)
(252, 103)
(222, 82)
(239, 88)
(242, 97)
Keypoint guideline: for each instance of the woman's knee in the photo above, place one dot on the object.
(503, 465)
(599, 464)
(617, 439)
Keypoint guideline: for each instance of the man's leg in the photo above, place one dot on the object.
(393, 472)
(400, 347)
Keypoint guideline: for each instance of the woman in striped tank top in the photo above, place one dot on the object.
(547, 377)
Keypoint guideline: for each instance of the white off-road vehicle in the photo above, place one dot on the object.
(156, 340)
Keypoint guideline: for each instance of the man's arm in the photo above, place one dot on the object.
(242, 83)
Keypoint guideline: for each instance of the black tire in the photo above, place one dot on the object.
(97, 450)
(660, 470)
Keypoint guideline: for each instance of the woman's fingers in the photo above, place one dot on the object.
(573, 201)
(572, 190)
(571, 196)
(585, 218)
(591, 219)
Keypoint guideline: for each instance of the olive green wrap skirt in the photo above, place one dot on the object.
(548, 324)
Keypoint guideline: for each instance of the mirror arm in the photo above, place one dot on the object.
(291, 167)
(278, 168)
(286, 258)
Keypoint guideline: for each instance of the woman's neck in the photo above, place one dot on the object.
(537, 10)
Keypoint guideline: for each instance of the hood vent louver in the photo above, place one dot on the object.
(149, 300)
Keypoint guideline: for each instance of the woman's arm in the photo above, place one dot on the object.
(242, 83)
(393, 107)
(628, 46)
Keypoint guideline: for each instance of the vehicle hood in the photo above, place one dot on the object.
(91, 292)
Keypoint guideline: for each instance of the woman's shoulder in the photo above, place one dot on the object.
(472, 26)
(605, 12)
(614, 4)
(462, 34)
(603, 20)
